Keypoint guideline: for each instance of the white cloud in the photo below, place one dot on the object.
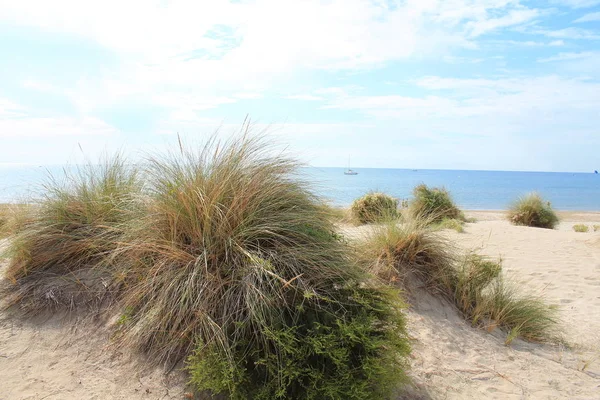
(251, 46)
(499, 108)
(53, 126)
(567, 56)
(9, 109)
(17, 121)
(571, 33)
(589, 17)
(577, 3)
(303, 97)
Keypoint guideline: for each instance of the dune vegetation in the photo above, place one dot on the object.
(532, 210)
(374, 207)
(13, 217)
(66, 253)
(412, 254)
(221, 257)
(582, 228)
(434, 204)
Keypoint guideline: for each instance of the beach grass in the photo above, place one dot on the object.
(435, 204)
(532, 210)
(13, 217)
(374, 207)
(63, 252)
(238, 270)
(450, 223)
(581, 228)
(412, 254)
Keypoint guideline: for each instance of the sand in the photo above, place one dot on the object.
(60, 358)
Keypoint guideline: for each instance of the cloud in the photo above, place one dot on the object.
(500, 108)
(53, 126)
(577, 3)
(589, 18)
(303, 97)
(571, 33)
(17, 121)
(567, 56)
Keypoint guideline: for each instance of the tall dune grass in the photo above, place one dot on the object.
(63, 255)
(374, 207)
(532, 210)
(13, 217)
(434, 204)
(412, 254)
(237, 263)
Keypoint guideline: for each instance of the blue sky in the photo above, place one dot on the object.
(452, 84)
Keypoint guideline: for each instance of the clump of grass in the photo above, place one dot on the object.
(62, 255)
(532, 210)
(453, 224)
(337, 214)
(237, 268)
(596, 228)
(581, 228)
(13, 217)
(435, 204)
(413, 254)
(525, 316)
(374, 207)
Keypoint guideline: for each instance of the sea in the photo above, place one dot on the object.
(471, 190)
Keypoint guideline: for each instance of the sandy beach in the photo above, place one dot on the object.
(59, 358)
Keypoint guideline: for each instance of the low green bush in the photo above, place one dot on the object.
(532, 210)
(374, 207)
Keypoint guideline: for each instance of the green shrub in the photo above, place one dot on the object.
(374, 207)
(596, 228)
(580, 228)
(238, 269)
(63, 254)
(434, 204)
(532, 210)
(314, 354)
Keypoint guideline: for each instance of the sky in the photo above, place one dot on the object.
(448, 84)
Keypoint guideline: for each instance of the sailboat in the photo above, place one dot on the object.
(349, 171)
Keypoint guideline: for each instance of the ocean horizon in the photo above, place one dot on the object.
(471, 189)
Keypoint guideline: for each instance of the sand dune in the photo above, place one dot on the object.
(60, 359)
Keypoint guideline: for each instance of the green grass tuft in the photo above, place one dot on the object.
(581, 228)
(453, 224)
(532, 210)
(596, 228)
(435, 204)
(374, 207)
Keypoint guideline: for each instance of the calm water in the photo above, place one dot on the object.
(474, 190)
